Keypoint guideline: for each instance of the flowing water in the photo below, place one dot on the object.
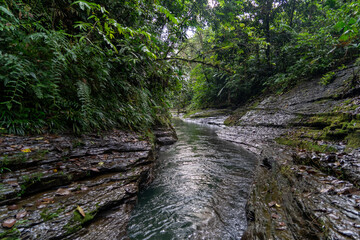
(199, 192)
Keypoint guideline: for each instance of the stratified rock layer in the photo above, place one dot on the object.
(309, 190)
(64, 187)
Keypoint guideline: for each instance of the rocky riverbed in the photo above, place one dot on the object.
(66, 187)
(306, 185)
(307, 140)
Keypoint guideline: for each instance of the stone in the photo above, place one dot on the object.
(21, 214)
(13, 207)
(9, 223)
(105, 172)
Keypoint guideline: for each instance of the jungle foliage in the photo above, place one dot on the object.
(88, 65)
(252, 47)
(82, 66)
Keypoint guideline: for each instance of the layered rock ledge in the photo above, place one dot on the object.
(306, 185)
(66, 187)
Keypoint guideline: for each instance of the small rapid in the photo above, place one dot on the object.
(200, 189)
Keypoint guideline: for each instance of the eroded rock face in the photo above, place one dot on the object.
(62, 187)
(309, 189)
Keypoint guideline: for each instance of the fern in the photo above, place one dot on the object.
(50, 80)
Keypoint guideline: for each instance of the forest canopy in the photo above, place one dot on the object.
(93, 65)
(262, 46)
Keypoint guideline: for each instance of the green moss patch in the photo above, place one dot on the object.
(334, 126)
(47, 215)
(305, 144)
(206, 113)
(353, 140)
(192, 112)
(235, 117)
(78, 221)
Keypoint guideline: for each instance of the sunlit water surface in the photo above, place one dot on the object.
(200, 189)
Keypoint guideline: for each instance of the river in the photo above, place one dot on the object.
(200, 189)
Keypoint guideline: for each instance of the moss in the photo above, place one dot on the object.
(330, 119)
(255, 105)
(149, 136)
(78, 143)
(304, 144)
(206, 113)
(192, 112)
(353, 125)
(336, 134)
(234, 119)
(40, 155)
(13, 233)
(78, 221)
(333, 126)
(10, 234)
(286, 171)
(18, 158)
(46, 215)
(328, 78)
(353, 140)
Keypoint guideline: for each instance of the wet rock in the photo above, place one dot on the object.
(72, 187)
(267, 163)
(63, 192)
(165, 136)
(9, 223)
(316, 190)
(21, 214)
(13, 207)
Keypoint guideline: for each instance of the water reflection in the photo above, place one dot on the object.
(199, 192)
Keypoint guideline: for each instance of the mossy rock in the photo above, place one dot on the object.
(353, 140)
(234, 120)
(78, 221)
(206, 113)
(331, 119)
(305, 144)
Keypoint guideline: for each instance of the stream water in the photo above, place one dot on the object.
(200, 189)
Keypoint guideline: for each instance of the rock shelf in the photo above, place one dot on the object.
(66, 187)
(307, 140)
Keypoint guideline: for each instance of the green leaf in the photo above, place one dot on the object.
(167, 13)
(6, 11)
(339, 26)
(8, 105)
(352, 21)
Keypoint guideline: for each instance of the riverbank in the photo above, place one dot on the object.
(66, 187)
(306, 185)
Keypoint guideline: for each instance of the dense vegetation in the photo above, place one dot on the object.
(90, 65)
(85, 66)
(268, 46)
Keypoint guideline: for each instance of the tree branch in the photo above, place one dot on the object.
(196, 61)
